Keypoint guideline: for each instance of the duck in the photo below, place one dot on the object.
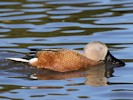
(64, 60)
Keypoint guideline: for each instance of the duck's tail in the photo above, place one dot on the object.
(18, 59)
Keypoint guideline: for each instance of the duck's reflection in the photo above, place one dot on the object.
(95, 76)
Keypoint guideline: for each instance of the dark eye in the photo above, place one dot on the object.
(100, 60)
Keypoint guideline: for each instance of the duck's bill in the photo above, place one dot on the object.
(110, 59)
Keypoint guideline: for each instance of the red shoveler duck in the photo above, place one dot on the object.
(64, 60)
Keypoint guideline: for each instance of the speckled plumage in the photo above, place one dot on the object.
(62, 60)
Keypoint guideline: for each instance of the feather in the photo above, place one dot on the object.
(18, 59)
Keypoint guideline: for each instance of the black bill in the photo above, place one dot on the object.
(110, 59)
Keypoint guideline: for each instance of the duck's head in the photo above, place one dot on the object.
(98, 51)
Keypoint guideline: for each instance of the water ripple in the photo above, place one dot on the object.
(27, 25)
(23, 17)
(32, 5)
(11, 13)
(67, 2)
(9, 3)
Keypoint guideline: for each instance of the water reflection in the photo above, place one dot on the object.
(65, 24)
(94, 76)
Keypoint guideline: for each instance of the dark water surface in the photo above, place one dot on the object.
(71, 24)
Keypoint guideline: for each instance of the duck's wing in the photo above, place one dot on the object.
(62, 60)
(33, 52)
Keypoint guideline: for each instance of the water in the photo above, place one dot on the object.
(71, 24)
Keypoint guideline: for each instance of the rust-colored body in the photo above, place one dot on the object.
(62, 60)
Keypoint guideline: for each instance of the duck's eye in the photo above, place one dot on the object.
(101, 60)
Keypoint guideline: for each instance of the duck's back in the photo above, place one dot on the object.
(62, 60)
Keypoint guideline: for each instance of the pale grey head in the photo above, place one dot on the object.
(98, 51)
